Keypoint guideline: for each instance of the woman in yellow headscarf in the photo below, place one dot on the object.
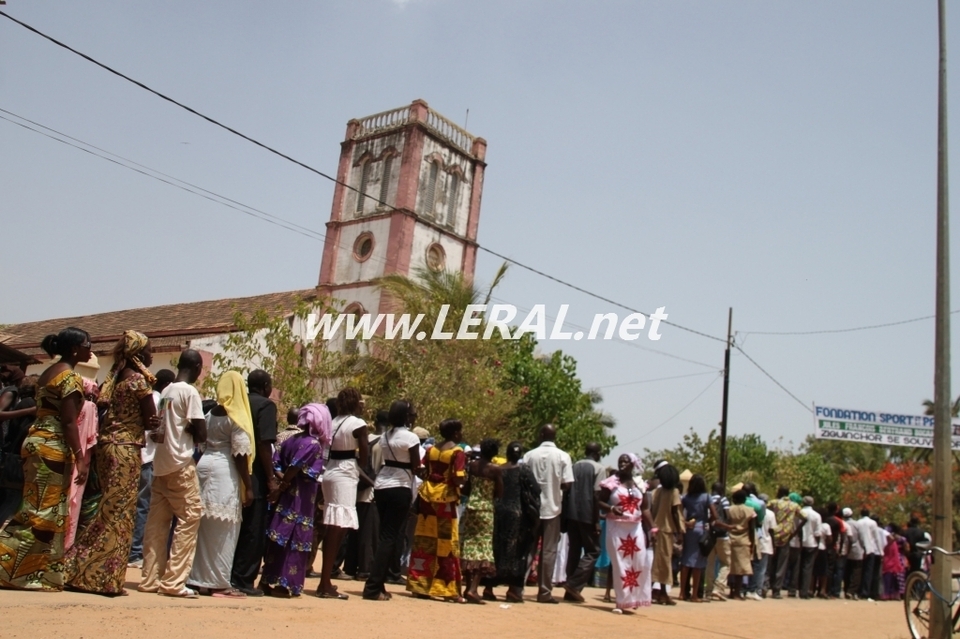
(97, 560)
(225, 487)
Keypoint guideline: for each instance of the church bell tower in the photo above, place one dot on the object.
(422, 177)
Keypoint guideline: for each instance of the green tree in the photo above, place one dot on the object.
(444, 378)
(550, 392)
(848, 457)
(303, 371)
(809, 474)
(748, 458)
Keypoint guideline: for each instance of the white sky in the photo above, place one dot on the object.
(776, 157)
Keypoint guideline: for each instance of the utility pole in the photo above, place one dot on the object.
(940, 621)
(726, 395)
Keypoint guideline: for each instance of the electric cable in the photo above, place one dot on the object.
(270, 149)
(306, 232)
(773, 379)
(844, 330)
(655, 379)
(672, 417)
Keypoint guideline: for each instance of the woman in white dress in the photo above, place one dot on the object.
(225, 487)
(621, 497)
(348, 456)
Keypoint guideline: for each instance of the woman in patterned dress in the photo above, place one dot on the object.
(477, 560)
(622, 498)
(97, 561)
(299, 463)
(31, 545)
(435, 557)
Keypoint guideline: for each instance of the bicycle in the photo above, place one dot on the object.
(918, 598)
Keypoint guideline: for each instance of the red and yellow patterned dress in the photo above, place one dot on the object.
(435, 558)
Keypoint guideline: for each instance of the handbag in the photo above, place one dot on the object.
(708, 541)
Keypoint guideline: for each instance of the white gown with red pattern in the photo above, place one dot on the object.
(627, 546)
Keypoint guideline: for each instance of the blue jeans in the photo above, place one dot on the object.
(143, 508)
(759, 574)
(836, 579)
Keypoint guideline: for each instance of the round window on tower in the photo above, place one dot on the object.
(363, 247)
(436, 257)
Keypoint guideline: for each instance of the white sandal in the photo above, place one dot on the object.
(185, 593)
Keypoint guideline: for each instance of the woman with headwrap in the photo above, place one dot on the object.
(97, 561)
(225, 486)
(299, 463)
(621, 497)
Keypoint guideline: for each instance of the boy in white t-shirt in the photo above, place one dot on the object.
(175, 490)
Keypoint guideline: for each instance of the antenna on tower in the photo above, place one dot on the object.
(466, 120)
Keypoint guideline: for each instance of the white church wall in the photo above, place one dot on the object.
(349, 269)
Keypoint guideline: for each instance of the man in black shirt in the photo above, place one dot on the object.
(581, 517)
(253, 530)
(914, 535)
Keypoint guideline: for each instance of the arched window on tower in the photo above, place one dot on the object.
(453, 193)
(362, 187)
(430, 192)
(385, 180)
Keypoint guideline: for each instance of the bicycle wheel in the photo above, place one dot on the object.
(917, 600)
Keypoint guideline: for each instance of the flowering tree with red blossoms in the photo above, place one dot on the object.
(894, 493)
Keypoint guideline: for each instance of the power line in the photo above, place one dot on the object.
(166, 175)
(671, 418)
(207, 195)
(148, 171)
(773, 379)
(656, 379)
(325, 175)
(594, 295)
(226, 201)
(844, 330)
(618, 339)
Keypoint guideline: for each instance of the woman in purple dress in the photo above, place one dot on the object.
(299, 463)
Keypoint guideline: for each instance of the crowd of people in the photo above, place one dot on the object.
(207, 496)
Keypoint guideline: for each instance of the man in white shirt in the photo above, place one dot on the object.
(175, 489)
(553, 470)
(165, 377)
(809, 544)
(758, 585)
(871, 552)
(854, 567)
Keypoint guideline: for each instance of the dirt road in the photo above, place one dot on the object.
(146, 616)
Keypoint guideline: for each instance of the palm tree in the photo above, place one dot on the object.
(928, 407)
(924, 454)
(427, 291)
